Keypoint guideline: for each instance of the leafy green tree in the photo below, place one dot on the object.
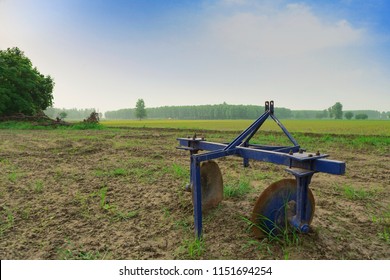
(23, 89)
(336, 111)
(140, 111)
(348, 115)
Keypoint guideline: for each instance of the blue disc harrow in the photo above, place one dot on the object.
(288, 202)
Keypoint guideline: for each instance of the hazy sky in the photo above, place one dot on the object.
(106, 54)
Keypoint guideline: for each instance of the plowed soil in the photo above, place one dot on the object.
(119, 194)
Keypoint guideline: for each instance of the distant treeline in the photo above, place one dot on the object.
(201, 112)
(226, 111)
(71, 114)
(207, 112)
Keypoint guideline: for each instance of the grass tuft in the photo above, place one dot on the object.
(237, 190)
(194, 248)
(71, 252)
(6, 220)
(352, 193)
(180, 171)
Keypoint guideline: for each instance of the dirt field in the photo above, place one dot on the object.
(119, 194)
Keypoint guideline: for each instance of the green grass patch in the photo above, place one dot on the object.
(38, 186)
(7, 219)
(385, 234)
(22, 125)
(119, 172)
(353, 193)
(122, 216)
(112, 209)
(15, 125)
(180, 171)
(71, 252)
(84, 126)
(238, 189)
(193, 248)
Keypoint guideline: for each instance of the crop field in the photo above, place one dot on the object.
(118, 193)
(355, 127)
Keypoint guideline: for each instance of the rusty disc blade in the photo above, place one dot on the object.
(211, 185)
(276, 205)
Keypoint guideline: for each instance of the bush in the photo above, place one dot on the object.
(361, 117)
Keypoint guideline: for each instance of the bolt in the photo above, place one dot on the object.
(318, 153)
(310, 155)
(188, 188)
(305, 228)
(290, 152)
(301, 151)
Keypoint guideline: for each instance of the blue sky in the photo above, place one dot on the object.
(301, 54)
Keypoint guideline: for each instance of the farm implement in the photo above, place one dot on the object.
(288, 202)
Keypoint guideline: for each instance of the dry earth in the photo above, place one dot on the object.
(119, 194)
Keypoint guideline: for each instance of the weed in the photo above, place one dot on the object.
(383, 220)
(119, 172)
(167, 212)
(262, 246)
(182, 224)
(193, 248)
(38, 186)
(6, 220)
(385, 234)
(25, 214)
(242, 188)
(119, 215)
(99, 173)
(262, 175)
(283, 234)
(13, 176)
(103, 194)
(286, 254)
(82, 200)
(180, 171)
(112, 209)
(355, 194)
(70, 252)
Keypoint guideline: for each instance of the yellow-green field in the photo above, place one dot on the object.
(356, 127)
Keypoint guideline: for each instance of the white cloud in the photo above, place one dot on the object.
(293, 30)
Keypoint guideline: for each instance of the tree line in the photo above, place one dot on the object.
(200, 112)
(227, 111)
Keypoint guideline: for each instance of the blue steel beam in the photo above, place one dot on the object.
(248, 132)
(314, 163)
(284, 130)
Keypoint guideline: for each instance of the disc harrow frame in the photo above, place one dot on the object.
(299, 163)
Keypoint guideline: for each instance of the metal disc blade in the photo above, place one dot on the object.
(276, 205)
(211, 184)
